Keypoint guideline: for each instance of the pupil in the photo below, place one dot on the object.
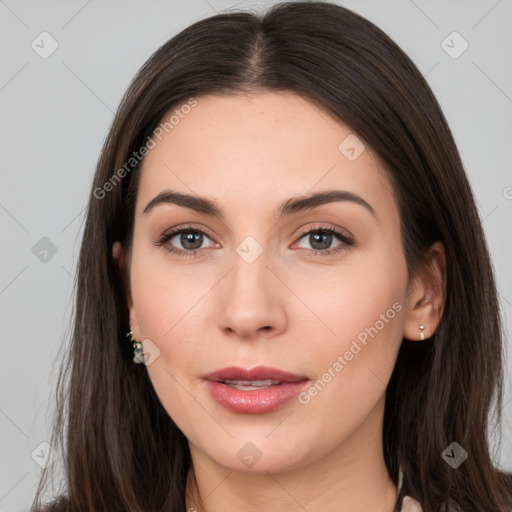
(191, 237)
(318, 237)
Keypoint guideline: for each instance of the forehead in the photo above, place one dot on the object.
(255, 150)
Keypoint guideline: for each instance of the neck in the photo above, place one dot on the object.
(352, 477)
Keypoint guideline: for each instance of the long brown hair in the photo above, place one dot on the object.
(121, 450)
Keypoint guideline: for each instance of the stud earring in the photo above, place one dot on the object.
(422, 334)
(137, 345)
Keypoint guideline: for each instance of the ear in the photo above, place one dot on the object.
(426, 295)
(120, 259)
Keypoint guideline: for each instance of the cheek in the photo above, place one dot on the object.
(168, 301)
(163, 320)
(355, 359)
(165, 294)
(348, 299)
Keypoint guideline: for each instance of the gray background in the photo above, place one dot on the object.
(55, 113)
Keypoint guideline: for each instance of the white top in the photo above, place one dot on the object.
(410, 505)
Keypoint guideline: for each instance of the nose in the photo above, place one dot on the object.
(252, 300)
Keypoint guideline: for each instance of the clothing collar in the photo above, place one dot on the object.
(405, 503)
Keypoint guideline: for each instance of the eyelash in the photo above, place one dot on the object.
(346, 241)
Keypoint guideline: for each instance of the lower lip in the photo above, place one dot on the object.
(256, 401)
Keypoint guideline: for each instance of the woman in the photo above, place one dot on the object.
(281, 224)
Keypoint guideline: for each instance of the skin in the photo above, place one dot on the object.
(288, 309)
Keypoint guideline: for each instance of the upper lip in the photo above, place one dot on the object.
(252, 374)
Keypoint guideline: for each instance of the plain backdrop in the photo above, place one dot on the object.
(56, 109)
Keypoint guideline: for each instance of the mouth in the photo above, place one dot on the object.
(244, 385)
(253, 391)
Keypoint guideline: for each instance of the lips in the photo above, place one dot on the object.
(253, 391)
(259, 373)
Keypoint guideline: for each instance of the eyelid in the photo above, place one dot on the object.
(324, 226)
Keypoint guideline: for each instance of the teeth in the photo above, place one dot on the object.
(255, 383)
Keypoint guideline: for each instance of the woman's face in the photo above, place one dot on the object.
(267, 289)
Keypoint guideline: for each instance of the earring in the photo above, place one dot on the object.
(137, 352)
(422, 334)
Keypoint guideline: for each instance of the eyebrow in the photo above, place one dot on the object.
(290, 206)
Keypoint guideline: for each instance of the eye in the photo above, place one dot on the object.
(191, 241)
(321, 239)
